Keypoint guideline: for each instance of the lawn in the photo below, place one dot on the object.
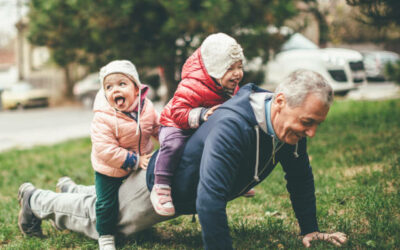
(355, 158)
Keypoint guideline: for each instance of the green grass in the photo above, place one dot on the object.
(355, 158)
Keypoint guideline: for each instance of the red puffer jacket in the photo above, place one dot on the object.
(196, 89)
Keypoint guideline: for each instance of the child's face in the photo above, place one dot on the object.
(120, 90)
(233, 76)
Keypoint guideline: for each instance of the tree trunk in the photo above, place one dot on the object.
(323, 27)
(69, 85)
(171, 82)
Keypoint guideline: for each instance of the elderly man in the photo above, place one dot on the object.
(232, 152)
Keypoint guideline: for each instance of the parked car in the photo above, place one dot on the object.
(86, 89)
(343, 68)
(376, 61)
(22, 95)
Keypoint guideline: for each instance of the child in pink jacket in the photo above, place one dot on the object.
(121, 131)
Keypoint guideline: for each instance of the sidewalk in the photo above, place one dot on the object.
(27, 128)
(375, 91)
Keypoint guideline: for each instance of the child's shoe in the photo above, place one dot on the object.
(161, 199)
(107, 242)
(250, 193)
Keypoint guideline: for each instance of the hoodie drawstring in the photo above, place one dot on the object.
(116, 122)
(273, 150)
(296, 155)
(139, 109)
(256, 178)
(138, 126)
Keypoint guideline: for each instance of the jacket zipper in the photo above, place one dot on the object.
(261, 172)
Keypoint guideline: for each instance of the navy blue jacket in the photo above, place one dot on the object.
(218, 165)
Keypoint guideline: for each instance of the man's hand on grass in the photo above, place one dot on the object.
(337, 238)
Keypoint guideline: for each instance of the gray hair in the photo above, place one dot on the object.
(300, 83)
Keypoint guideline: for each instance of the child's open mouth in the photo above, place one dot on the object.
(119, 100)
(234, 82)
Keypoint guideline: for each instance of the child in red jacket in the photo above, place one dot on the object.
(210, 76)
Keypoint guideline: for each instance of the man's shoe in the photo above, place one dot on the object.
(107, 242)
(64, 185)
(161, 199)
(28, 223)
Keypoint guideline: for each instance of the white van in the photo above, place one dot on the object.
(343, 68)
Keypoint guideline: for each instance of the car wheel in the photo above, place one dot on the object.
(342, 93)
(19, 106)
(87, 102)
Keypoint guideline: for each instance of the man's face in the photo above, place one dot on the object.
(233, 76)
(292, 124)
(120, 91)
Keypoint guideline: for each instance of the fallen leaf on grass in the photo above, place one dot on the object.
(371, 243)
(275, 214)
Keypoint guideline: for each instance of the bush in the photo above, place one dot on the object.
(392, 71)
(256, 77)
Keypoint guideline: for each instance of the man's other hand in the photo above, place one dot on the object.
(337, 238)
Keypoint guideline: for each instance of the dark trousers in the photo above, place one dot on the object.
(107, 205)
(172, 142)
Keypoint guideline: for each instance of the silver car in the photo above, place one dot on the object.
(86, 89)
(375, 62)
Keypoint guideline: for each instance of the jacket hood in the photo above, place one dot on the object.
(257, 102)
(249, 103)
(254, 110)
(101, 104)
(194, 69)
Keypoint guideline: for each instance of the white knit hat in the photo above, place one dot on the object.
(120, 66)
(127, 68)
(219, 51)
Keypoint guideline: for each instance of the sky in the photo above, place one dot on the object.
(8, 18)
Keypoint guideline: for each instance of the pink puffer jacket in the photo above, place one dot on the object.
(113, 135)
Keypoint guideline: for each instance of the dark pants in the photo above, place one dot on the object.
(172, 142)
(107, 206)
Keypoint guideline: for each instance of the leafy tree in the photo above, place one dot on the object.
(384, 15)
(392, 71)
(59, 26)
(153, 32)
(320, 12)
(378, 12)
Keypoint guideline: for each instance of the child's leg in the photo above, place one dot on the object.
(107, 203)
(172, 142)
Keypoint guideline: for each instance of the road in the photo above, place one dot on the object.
(46, 126)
